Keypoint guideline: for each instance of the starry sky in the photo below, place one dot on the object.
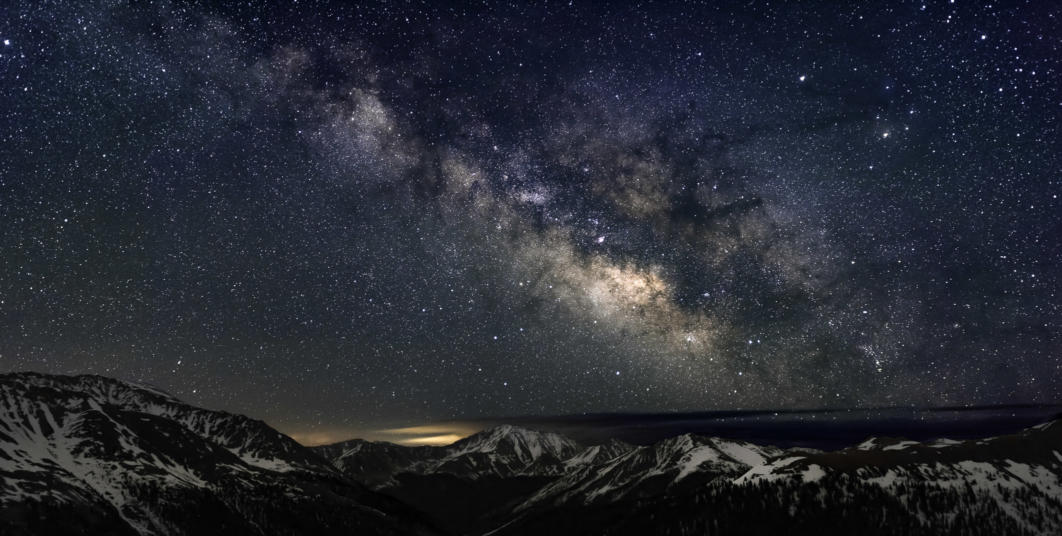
(343, 218)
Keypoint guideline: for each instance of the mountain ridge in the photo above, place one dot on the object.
(93, 453)
(90, 453)
(997, 477)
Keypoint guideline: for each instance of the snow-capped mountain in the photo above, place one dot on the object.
(502, 451)
(1021, 474)
(88, 454)
(691, 484)
(682, 461)
(508, 451)
(687, 485)
(92, 455)
(472, 485)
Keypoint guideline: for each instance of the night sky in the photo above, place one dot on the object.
(343, 218)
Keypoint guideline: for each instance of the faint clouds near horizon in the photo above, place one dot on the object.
(431, 434)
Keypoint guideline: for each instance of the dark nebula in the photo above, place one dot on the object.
(342, 218)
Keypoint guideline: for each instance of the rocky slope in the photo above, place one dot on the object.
(92, 455)
(1002, 485)
(517, 481)
(88, 454)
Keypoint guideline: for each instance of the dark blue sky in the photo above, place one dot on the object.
(341, 217)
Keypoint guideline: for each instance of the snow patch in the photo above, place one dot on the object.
(813, 473)
(766, 471)
(900, 446)
(742, 453)
(692, 461)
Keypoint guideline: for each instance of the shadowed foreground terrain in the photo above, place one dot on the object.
(89, 454)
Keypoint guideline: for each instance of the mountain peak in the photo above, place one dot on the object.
(507, 430)
(521, 446)
(107, 456)
(71, 400)
(500, 431)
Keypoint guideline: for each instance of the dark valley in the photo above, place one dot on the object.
(93, 455)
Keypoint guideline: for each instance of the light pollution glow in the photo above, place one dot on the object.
(431, 434)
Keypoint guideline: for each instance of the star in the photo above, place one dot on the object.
(284, 199)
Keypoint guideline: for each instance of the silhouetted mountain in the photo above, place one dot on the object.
(1004, 485)
(510, 480)
(682, 462)
(92, 455)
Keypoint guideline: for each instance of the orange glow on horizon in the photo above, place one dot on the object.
(444, 439)
(428, 434)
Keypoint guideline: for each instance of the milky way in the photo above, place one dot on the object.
(340, 218)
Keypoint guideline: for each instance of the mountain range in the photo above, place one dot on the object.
(94, 455)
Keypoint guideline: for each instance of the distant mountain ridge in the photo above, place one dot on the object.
(88, 454)
(502, 451)
(1010, 484)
